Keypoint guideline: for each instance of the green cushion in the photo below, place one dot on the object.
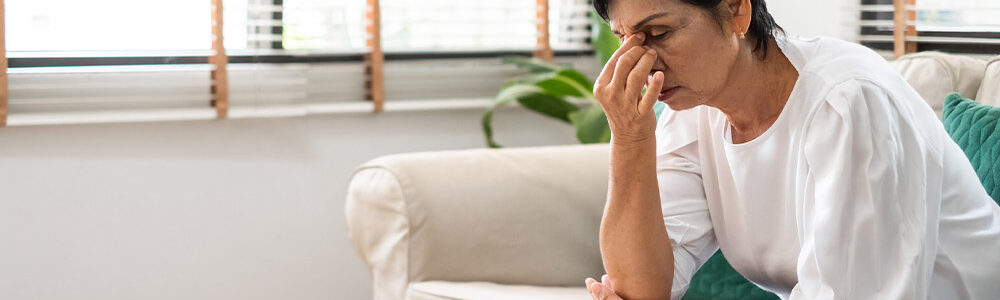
(975, 129)
(717, 280)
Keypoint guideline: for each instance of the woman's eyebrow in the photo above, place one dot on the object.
(643, 22)
(647, 19)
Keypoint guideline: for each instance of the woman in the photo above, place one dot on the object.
(814, 167)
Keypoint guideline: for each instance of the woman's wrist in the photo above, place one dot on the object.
(621, 142)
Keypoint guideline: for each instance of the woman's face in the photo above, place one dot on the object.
(694, 51)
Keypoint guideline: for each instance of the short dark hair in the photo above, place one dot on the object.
(762, 24)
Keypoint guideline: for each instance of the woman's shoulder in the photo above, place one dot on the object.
(825, 62)
(833, 58)
(855, 82)
(872, 108)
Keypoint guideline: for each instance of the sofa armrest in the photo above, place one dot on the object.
(512, 216)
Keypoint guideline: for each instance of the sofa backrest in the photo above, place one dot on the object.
(935, 75)
(989, 91)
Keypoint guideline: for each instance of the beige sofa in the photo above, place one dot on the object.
(523, 223)
(480, 224)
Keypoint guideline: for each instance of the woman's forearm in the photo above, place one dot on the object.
(634, 245)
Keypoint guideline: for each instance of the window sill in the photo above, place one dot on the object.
(285, 111)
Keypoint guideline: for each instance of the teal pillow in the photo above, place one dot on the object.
(718, 280)
(975, 129)
(658, 109)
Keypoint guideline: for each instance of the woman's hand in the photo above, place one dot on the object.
(619, 90)
(602, 290)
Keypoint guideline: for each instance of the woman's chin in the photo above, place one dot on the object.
(680, 103)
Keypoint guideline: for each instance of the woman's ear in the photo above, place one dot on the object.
(742, 12)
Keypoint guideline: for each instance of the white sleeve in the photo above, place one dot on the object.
(682, 196)
(869, 200)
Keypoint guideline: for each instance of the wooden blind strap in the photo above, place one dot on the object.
(904, 26)
(220, 74)
(374, 58)
(3, 68)
(543, 49)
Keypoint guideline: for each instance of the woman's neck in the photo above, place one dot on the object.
(758, 92)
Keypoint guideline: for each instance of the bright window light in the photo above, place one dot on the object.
(324, 24)
(958, 15)
(119, 25)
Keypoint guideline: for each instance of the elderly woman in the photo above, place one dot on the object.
(814, 167)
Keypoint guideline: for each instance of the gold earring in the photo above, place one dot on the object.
(743, 35)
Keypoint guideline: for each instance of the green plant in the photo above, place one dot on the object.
(548, 86)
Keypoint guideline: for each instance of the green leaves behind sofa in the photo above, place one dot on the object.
(975, 128)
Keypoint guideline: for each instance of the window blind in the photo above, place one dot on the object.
(960, 26)
(281, 55)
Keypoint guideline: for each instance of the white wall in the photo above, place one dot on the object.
(833, 18)
(237, 209)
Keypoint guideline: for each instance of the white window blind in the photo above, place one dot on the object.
(72, 57)
(480, 25)
(432, 25)
(958, 15)
(569, 24)
(118, 25)
(960, 26)
(324, 24)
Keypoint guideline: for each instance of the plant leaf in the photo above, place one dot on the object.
(605, 42)
(579, 78)
(533, 98)
(531, 78)
(534, 64)
(559, 85)
(591, 125)
(549, 105)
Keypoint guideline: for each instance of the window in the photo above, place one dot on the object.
(324, 24)
(118, 25)
(958, 15)
(288, 56)
(435, 25)
(960, 26)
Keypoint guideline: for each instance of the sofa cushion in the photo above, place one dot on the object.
(989, 91)
(446, 290)
(935, 75)
(975, 128)
(716, 279)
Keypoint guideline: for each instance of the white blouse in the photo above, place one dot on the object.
(855, 192)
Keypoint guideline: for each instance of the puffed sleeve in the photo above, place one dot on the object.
(682, 196)
(863, 219)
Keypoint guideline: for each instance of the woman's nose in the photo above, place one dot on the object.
(659, 65)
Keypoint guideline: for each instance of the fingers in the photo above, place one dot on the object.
(601, 290)
(609, 69)
(590, 287)
(597, 290)
(625, 65)
(638, 75)
(649, 99)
